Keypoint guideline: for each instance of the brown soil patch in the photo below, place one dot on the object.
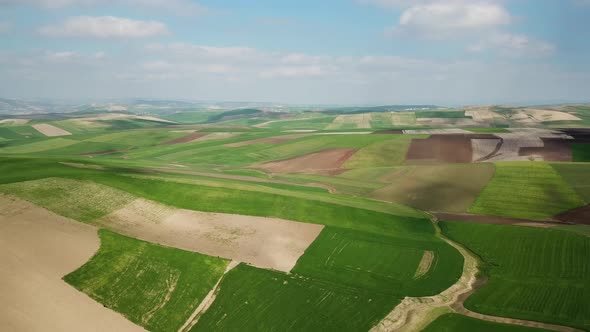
(389, 131)
(424, 264)
(329, 160)
(269, 243)
(579, 215)
(37, 248)
(492, 220)
(267, 140)
(50, 130)
(554, 149)
(484, 148)
(580, 135)
(185, 139)
(450, 148)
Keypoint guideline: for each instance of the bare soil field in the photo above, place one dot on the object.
(492, 220)
(37, 248)
(482, 115)
(267, 140)
(50, 130)
(554, 149)
(532, 143)
(329, 160)
(436, 131)
(270, 243)
(579, 215)
(389, 131)
(542, 115)
(424, 265)
(185, 139)
(361, 121)
(449, 148)
(484, 148)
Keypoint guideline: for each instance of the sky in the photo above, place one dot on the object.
(444, 52)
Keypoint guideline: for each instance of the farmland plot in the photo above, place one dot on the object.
(251, 299)
(460, 323)
(534, 273)
(153, 286)
(526, 190)
(380, 263)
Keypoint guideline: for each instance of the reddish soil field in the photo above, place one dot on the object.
(326, 161)
(449, 148)
(577, 216)
(555, 149)
(185, 139)
(492, 220)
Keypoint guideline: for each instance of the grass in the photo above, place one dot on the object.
(80, 200)
(450, 188)
(576, 175)
(40, 146)
(385, 153)
(526, 190)
(580, 152)
(534, 273)
(487, 130)
(252, 299)
(153, 286)
(382, 264)
(460, 323)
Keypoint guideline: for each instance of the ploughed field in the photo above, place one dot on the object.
(248, 220)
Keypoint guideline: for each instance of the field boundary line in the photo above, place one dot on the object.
(207, 301)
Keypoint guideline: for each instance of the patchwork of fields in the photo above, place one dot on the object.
(255, 220)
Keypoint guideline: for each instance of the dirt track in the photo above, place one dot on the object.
(37, 248)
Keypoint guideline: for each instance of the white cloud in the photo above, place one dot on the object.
(451, 18)
(179, 7)
(513, 45)
(104, 27)
(294, 71)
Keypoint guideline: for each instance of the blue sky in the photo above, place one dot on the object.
(453, 52)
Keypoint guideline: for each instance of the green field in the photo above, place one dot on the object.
(460, 323)
(451, 188)
(441, 114)
(153, 286)
(80, 200)
(576, 175)
(534, 273)
(381, 264)
(389, 152)
(581, 152)
(252, 299)
(526, 190)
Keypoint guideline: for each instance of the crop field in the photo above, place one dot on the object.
(153, 286)
(581, 152)
(309, 218)
(576, 175)
(390, 152)
(459, 323)
(381, 264)
(526, 190)
(251, 299)
(452, 187)
(534, 274)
